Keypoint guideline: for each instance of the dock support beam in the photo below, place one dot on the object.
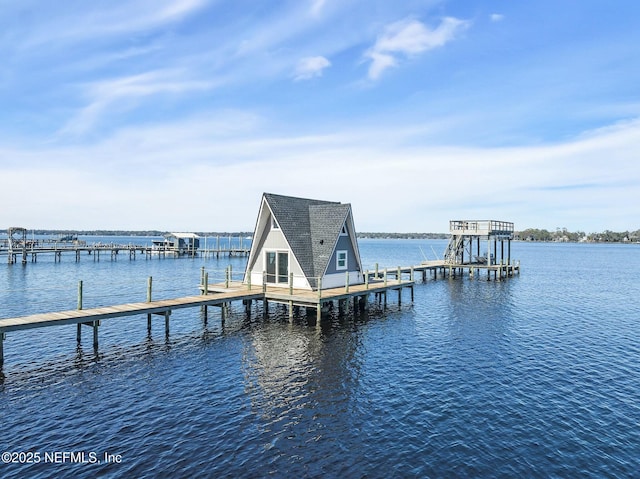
(3, 336)
(95, 325)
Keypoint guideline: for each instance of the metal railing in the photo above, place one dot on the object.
(481, 226)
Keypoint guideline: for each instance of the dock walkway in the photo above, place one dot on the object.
(221, 295)
(377, 282)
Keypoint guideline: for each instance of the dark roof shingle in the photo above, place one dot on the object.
(311, 227)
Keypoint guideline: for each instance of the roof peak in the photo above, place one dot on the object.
(309, 200)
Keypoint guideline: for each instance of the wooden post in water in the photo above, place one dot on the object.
(319, 304)
(149, 285)
(206, 284)
(2, 338)
(80, 294)
(79, 325)
(95, 334)
(265, 302)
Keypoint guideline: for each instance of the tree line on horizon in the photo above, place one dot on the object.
(529, 234)
(562, 234)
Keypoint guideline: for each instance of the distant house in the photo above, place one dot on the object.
(177, 243)
(310, 238)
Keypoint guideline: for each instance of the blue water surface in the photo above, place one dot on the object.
(536, 376)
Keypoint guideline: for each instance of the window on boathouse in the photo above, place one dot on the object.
(341, 260)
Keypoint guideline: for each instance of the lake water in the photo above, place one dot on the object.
(537, 376)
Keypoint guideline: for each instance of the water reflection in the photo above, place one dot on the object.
(300, 379)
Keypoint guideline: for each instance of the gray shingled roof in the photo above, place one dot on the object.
(311, 227)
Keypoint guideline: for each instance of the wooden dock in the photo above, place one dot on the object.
(378, 282)
(111, 251)
(221, 295)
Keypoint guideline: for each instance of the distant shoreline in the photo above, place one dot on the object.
(528, 235)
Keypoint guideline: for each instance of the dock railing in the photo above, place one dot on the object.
(481, 227)
(233, 279)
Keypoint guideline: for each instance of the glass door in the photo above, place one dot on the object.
(277, 266)
(270, 259)
(283, 267)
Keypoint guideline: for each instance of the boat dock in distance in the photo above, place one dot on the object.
(19, 248)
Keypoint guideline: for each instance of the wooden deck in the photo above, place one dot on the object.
(377, 282)
(25, 255)
(216, 295)
(81, 316)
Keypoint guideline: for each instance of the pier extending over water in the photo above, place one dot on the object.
(378, 283)
(218, 294)
(19, 249)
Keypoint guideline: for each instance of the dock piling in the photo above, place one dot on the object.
(80, 294)
(95, 334)
(79, 327)
(149, 286)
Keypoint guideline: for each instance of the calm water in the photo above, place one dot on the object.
(537, 376)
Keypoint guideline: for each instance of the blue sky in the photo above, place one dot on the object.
(178, 114)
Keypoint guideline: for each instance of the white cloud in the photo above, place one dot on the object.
(565, 184)
(108, 19)
(496, 17)
(311, 67)
(408, 38)
(316, 6)
(124, 93)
